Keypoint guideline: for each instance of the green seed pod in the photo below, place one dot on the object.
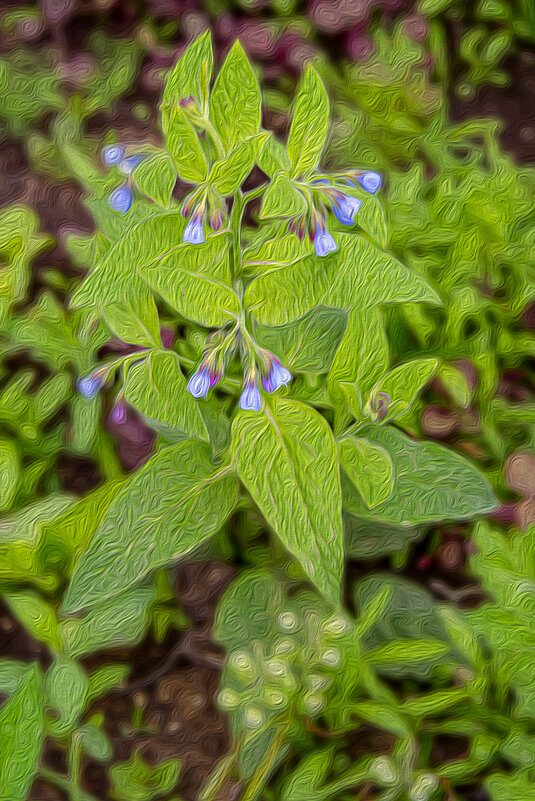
(228, 699)
(424, 787)
(382, 769)
(331, 658)
(336, 626)
(288, 621)
(274, 699)
(285, 646)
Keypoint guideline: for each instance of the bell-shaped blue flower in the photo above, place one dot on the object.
(89, 386)
(194, 231)
(200, 382)
(345, 207)
(128, 164)
(251, 399)
(121, 199)
(323, 242)
(118, 413)
(370, 181)
(112, 154)
(276, 377)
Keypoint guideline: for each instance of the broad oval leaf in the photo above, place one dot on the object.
(156, 387)
(403, 384)
(286, 457)
(298, 288)
(229, 173)
(156, 178)
(189, 77)
(195, 280)
(235, 101)
(66, 686)
(369, 467)
(185, 148)
(22, 737)
(176, 501)
(431, 483)
(310, 123)
(282, 199)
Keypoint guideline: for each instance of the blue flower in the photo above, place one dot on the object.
(89, 386)
(370, 181)
(323, 242)
(345, 207)
(199, 383)
(121, 199)
(194, 231)
(112, 154)
(277, 376)
(251, 399)
(128, 164)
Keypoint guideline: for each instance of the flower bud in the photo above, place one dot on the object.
(112, 154)
(121, 199)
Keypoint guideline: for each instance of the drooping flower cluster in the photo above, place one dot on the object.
(121, 199)
(203, 205)
(262, 367)
(324, 194)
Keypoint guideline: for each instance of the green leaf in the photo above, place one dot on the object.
(195, 280)
(10, 473)
(403, 384)
(363, 352)
(282, 199)
(286, 457)
(273, 158)
(297, 286)
(308, 344)
(95, 742)
(431, 483)
(367, 540)
(407, 652)
(304, 782)
(21, 735)
(156, 387)
(185, 149)
(136, 780)
(66, 687)
(229, 173)
(189, 77)
(104, 679)
(360, 275)
(36, 615)
(11, 672)
(156, 178)
(517, 786)
(116, 288)
(235, 101)
(310, 123)
(176, 501)
(369, 467)
(269, 253)
(120, 621)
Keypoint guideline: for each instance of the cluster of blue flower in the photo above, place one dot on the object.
(262, 363)
(121, 198)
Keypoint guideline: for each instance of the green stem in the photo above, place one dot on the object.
(254, 193)
(220, 775)
(262, 774)
(215, 138)
(75, 767)
(63, 783)
(235, 226)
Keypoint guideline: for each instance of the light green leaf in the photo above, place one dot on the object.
(282, 199)
(21, 735)
(362, 355)
(66, 687)
(403, 384)
(118, 621)
(403, 652)
(273, 158)
(277, 252)
(106, 678)
(37, 616)
(136, 780)
(229, 173)
(308, 344)
(360, 275)
(117, 289)
(431, 483)
(310, 123)
(456, 384)
(189, 77)
(235, 101)
(10, 473)
(298, 287)
(11, 672)
(95, 742)
(156, 387)
(369, 467)
(286, 457)
(195, 280)
(156, 178)
(173, 503)
(185, 148)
